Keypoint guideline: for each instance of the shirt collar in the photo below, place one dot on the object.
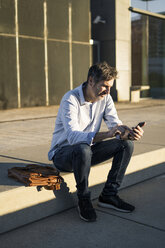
(81, 94)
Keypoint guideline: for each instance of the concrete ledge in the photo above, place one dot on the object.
(140, 87)
(135, 92)
(23, 205)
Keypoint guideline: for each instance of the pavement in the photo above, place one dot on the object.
(25, 136)
(143, 228)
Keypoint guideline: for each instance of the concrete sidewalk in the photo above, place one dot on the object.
(25, 138)
(51, 111)
(145, 227)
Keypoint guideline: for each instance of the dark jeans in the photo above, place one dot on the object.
(79, 158)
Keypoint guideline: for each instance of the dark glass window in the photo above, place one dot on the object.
(148, 49)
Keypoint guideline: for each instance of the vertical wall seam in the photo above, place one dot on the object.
(91, 45)
(46, 53)
(70, 47)
(17, 54)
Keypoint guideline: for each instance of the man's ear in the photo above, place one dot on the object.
(91, 81)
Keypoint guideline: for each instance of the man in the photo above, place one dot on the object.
(77, 143)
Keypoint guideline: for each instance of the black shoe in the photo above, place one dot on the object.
(86, 210)
(115, 202)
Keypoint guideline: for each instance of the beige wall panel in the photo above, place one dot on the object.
(122, 86)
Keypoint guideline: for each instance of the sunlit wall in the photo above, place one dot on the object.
(44, 50)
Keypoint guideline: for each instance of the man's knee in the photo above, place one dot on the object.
(129, 145)
(83, 150)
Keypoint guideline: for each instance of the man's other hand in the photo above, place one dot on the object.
(123, 131)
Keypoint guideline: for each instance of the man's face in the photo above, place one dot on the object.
(100, 89)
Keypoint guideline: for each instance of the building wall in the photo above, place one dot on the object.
(45, 50)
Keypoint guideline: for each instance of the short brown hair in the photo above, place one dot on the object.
(102, 71)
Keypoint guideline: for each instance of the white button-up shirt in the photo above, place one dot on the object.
(78, 121)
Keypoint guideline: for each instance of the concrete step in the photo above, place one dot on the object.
(145, 227)
(21, 205)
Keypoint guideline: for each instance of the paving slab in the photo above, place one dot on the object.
(111, 229)
(149, 199)
(18, 114)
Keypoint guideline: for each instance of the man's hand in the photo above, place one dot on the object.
(118, 129)
(124, 131)
(137, 133)
(132, 134)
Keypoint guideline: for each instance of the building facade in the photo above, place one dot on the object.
(44, 50)
(47, 46)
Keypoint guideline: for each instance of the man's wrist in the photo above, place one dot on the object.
(102, 136)
(118, 136)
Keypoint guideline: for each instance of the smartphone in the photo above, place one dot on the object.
(141, 124)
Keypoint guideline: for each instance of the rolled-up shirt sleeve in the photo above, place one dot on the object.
(110, 114)
(71, 125)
